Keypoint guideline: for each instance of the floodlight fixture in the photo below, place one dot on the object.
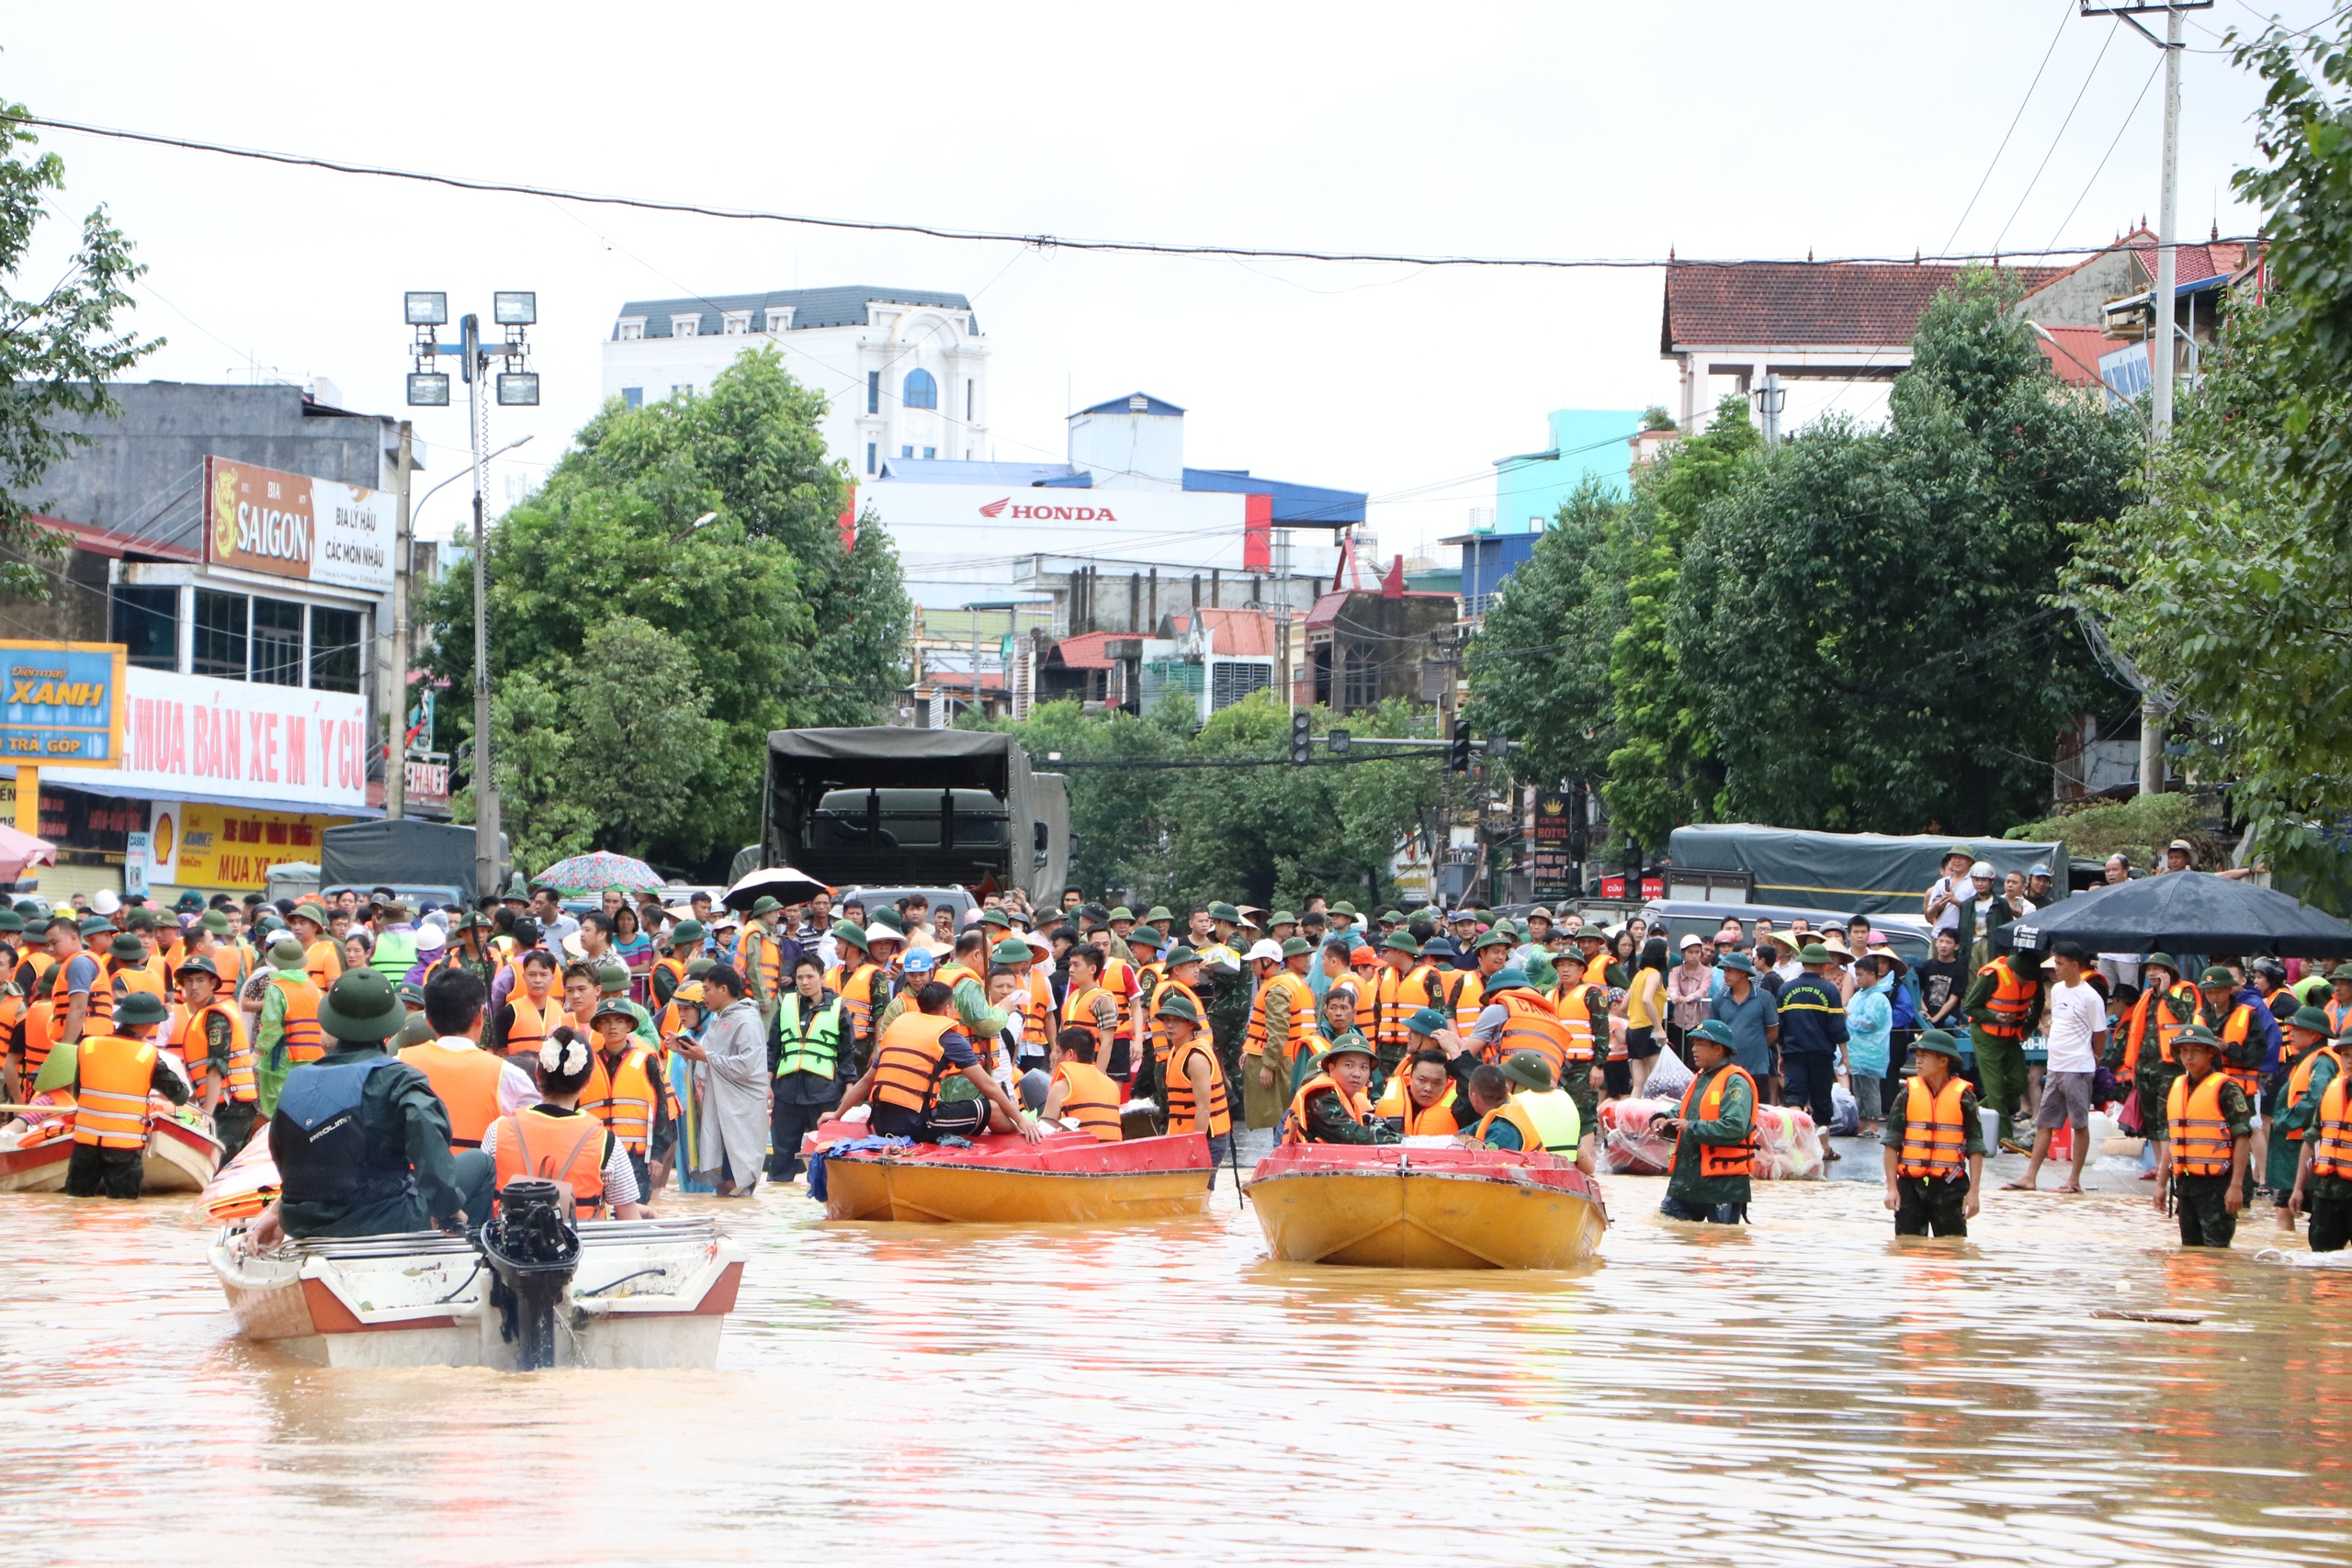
(514, 307)
(428, 389)
(426, 309)
(518, 389)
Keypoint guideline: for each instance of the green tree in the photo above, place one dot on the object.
(1868, 612)
(783, 627)
(644, 732)
(539, 810)
(58, 348)
(1538, 667)
(1664, 769)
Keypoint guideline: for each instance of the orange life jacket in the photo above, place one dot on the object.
(1302, 1013)
(238, 1087)
(1384, 1008)
(1935, 1139)
(1357, 1106)
(101, 1010)
(467, 1082)
(1511, 1111)
(534, 1022)
(2299, 1083)
(1573, 1005)
(114, 1076)
(1078, 1012)
(1184, 1113)
(1469, 999)
(2167, 1028)
(304, 1041)
(324, 959)
(857, 998)
(625, 1106)
(1158, 1028)
(2201, 1143)
(1530, 1024)
(1721, 1160)
(565, 1149)
(1091, 1100)
(2332, 1132)
(2010, 1004)
(145, 976)
(1035, 998)
(769, 952)
(2235, 1031)
(911, 1061)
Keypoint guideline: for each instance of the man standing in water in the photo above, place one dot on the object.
(1934, 1144)
(2203, 1167)
(1714, 1148)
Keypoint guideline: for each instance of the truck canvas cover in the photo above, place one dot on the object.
(398, 853)
(1866, 873)
(932, 807)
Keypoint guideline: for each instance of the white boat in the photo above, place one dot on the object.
(644, 1293)
(180, 1157)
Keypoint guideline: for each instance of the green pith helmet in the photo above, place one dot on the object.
(1527, 1070)
(1400, 941)
(362, 1006)
(1010, 951)
(1225, 912)
(1179, 1006)
(286, 954)
(126, 948)
(1297, 946)
(1352, 1043)
(140, 1007)
(1939, 1041)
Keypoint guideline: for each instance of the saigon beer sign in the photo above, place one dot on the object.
(291, 525)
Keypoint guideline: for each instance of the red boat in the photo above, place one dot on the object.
(1389, 1206)
(1004, 1179)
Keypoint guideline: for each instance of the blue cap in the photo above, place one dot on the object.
(918, 960)
(2042, 868)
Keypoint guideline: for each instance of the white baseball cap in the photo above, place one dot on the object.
(1688, 942)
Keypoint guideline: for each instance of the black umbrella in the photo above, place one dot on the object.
(2186, 909)
(780, 883)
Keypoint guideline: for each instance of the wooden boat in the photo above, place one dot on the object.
(33, 1158)
(1393, 1207)
(180, 1157)
(1003, 1179)
(645, 1293)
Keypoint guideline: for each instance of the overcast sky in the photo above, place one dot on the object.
(1842, 127)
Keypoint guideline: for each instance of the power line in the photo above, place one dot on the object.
(2057, 138)
(2065, 14)
(2128, 115)
(938, 232)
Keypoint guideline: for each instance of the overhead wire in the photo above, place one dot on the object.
(2128, 115)
(2092, 75)
(2065, 14)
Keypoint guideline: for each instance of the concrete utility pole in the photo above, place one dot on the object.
(1771, 400)
(2160, 314)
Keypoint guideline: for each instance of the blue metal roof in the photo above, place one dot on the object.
(1120, 405)
(840, 306)
(956, 472)
(1295, 505)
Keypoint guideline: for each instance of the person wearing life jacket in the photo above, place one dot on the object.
(79, 999)
(679, 946)
(1713, 1132)
(288, 1034)
(1332, 1106)
(2323, 1172)
(2237, 1023)
(531, 1010)
(764, 956)
(476, 1086)
(1282, 1022)
(360, 1138)
(1933, 1145)
(2139, 1049)
(1425, 1098)
(132, 967)
(211, 1044)
(2200, 1170)
(910, 1083)
(873, 980)
(321, 954)
(2003, 1004)
(559, 1140)
(1536, 1115)
(806, 1060)
(395, 952)
(1192, 1082)
(625, 1089)
(2311, 1062)
(1080, 1091)
(110, 1073)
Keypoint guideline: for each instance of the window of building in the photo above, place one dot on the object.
(735, 323)
(147, 622)
(685, 326)
(1231, 680)
(277, 642)
(929, 452)
(968, 395)
(682, 389)
(906, 451)
(869, 456)
(921, 392)
(874, 391)
(220, 634)
(1363, 687)
(336, 637)
(633, 397)
(780, 321)
(632, 328)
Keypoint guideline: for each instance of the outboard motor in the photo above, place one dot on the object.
(532, 1247)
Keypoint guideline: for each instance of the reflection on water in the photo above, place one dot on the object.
(1808, 1390)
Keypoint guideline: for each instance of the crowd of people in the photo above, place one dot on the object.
(708, 1042)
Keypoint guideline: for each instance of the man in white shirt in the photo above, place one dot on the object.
(1941, 905)
(2075, 1016)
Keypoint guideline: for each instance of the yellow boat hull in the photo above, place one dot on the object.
(1386, 1219)
(944, 1194)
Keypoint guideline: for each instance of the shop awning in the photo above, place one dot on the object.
(65, 778)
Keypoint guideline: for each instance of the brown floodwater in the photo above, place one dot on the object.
(1806, 1391)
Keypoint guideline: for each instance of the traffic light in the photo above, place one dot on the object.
(1302, 738)
(1457, 756)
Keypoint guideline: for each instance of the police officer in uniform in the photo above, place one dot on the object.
(806, 1059)
(361, 1141)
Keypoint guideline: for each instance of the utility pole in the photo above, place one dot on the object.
(1771, 399)
(393, 683)
(2160, 313)
(486, 826)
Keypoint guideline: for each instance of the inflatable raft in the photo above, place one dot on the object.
(1394, 1207)
(1002, 1179)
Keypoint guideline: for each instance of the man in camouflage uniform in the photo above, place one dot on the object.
(2208, 1201)
(2152, 1075)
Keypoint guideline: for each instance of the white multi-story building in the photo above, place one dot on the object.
(904, 371)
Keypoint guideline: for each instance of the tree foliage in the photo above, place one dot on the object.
(759, 613)
(58, 347)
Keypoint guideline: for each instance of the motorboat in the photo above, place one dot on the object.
(1397, 1207)
(1002, 1178)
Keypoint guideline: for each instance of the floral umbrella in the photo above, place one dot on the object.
(598, 870)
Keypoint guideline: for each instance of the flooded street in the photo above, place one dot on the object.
(1804, 1391)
